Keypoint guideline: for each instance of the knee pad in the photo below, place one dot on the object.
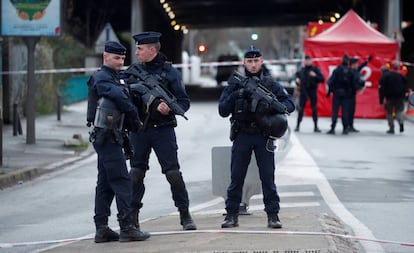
(175, 178)
(137, 175)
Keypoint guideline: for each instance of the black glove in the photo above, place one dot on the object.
(369, 57)
(240, 93)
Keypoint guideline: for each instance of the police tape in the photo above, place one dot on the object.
(218, 231)
(187, 65)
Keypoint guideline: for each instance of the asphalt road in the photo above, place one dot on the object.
(371, 173)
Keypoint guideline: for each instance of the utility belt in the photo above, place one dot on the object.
(100, 136)
(153, 124)
(248, 127)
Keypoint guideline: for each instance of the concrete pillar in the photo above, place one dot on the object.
(393, 19)
(137, 25)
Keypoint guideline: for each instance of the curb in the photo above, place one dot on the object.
(22, 175)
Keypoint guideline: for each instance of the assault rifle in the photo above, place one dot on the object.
(258, 92)
(157, 90)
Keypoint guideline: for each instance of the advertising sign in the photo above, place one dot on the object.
(30, 17)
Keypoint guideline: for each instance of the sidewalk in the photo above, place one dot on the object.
(307, 230)
(251, 236)
(22, 162)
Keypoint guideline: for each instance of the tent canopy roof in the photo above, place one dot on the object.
(352, 28)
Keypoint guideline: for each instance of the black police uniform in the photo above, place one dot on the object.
(341, 84)
(113, 179)
(393, 88)
(358, 85)
(158, 133)
(308, 89)
(249, 138)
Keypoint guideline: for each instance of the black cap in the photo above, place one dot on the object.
(252, 52)
(147, 38)
(114, 47)
(307, 57)
(353, 60)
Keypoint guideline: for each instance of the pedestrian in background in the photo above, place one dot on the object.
(341, 84)
(158, 132)
(109, 107)
(393, 88)
(359, 85)
(307, 80)
(248, 136)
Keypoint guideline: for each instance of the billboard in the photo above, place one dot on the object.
(30, 17)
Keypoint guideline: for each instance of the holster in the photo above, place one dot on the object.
(98, 136)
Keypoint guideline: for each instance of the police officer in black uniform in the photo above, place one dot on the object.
(109, 107)
(358, 86)
(249, 135)
(341, 84)
(308, 79)
(159, 122)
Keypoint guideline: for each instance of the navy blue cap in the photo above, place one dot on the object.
(252, 52)
(114, 47)
(353, 60)
(147, 38)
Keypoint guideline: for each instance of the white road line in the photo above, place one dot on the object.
(298, 167)
(287, 195)
(219, 200)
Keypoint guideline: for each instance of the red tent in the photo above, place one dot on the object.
(353, 36)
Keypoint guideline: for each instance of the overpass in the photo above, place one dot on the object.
(174, 17)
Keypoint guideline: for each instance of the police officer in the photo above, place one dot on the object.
(109, 106)
(248, 136)
(159, 122)
(341, 84)
(358, 86)
(308, 79)
(393, 88)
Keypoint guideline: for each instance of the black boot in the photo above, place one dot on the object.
(130, 233)
(297, 128)
(231, 221)
(185, 219)
(332, 131)
(105, 234)
(135, 217)
(390, 131)
(401, 127)
(273, 221)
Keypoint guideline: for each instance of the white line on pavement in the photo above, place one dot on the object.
(298, 167)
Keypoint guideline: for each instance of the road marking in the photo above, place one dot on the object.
(287, 195)
(307, 172)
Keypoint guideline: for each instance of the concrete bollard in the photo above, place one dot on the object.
(221, 157)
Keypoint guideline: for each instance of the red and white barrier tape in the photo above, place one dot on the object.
(181, 65)
(351, 237)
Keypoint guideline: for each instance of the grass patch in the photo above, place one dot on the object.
(79, 148)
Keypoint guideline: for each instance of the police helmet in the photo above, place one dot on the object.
(274, 125)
